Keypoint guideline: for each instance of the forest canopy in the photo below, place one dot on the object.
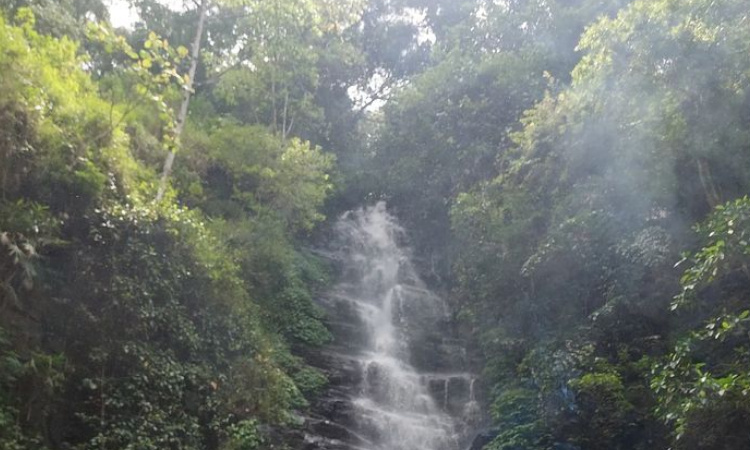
(573, 177)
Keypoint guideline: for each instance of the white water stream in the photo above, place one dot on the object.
(393, 406)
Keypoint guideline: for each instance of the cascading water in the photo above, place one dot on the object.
(383, 402)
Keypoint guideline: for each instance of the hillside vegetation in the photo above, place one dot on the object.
(573, 175)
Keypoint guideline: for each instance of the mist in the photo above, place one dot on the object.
(374, 224)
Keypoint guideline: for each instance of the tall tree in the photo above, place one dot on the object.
(187, 93)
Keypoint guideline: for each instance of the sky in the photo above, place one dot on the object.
(123, 15)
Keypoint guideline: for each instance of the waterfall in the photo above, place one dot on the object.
(383, 316)
(392, 406)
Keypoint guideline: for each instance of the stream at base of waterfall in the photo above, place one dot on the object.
(398, 377)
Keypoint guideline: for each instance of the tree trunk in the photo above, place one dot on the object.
(182, 115)
(707, 182)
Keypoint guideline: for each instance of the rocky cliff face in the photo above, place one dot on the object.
(399, 378)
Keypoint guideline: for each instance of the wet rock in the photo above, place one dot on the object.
(482, 439)
(336, 433)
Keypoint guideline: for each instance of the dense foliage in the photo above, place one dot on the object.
(563, 151)
(129, 323)
(137, 317)
(573, 175)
